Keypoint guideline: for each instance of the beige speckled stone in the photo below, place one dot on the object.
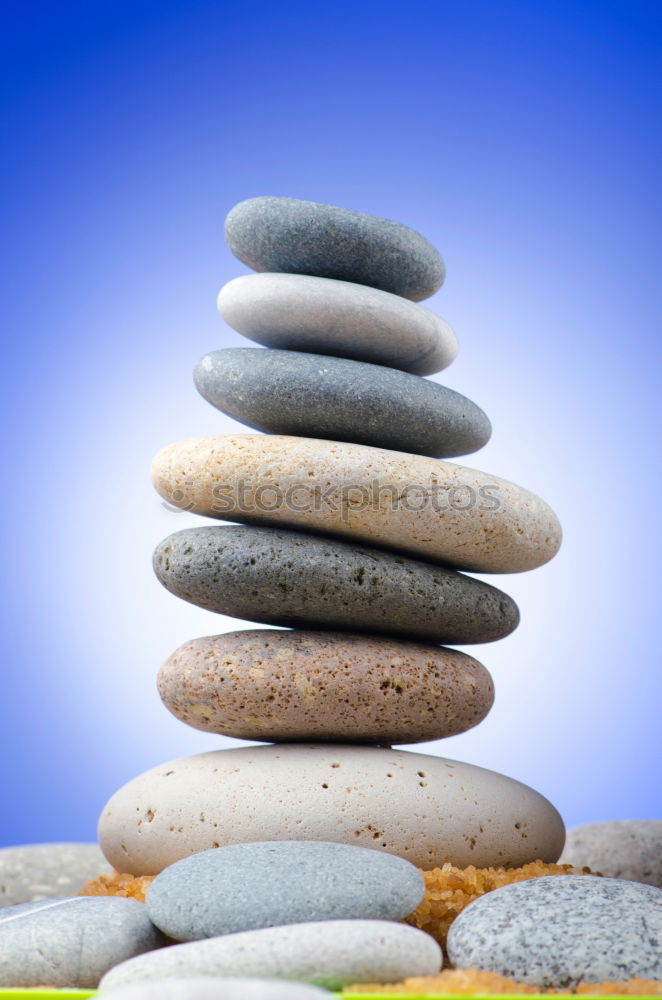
(273, 685)
(423, 506)
(426, 809)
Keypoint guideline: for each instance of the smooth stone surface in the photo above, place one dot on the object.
(287, 392)
(427, 809)
(296, 580)
(72, 942)
(296, 312)
(330, 953)
(272, 686)
(422, 506)
(243, 887)
(47, 871)
(555, 931)
(627, 849)
(216, 988)
(308, 237)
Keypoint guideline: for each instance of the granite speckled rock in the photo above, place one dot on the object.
(418, 505)
(553, 932)
(297, 312)
(47, 871)
(627, 849)
(71, 942)
(271, 685)
(216, 988)
(427, 809)
(288, 392)
(296, 580)
(330, 953)
(308, 237)
(243, 887)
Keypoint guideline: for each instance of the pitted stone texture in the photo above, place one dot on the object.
(286, 392)
(627, 849)
(330, 953)
(296, 580)
(556, 931)
(427, 809)
(47, 871)
(296, 312)
(71, 942)
(243, 887)
(307, 237)
(216, 988)
(273, 686)
(422, 506)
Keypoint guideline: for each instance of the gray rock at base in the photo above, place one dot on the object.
(47, 871)
(627, 848)
(296, 580)
(331, 953)
(555, 931)
(307, 237)
(215, 988)
(243, 887)
(311, 395)
(72, 942)
(298, 312)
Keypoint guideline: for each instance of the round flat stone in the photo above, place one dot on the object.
(330, 953)
(422, 506)
(273, 686)
(627, 849)
(71, 942)
(306, 237)
(297, 312)
(296, 580)
(287, 392)
(243, 887)
(556, 931)
(427, 809)
(47, 871)
(216, 988)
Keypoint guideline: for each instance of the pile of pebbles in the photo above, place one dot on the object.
(298, 860)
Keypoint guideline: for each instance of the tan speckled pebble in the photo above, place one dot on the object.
(268, 684)
(423, 506)
(426, 809)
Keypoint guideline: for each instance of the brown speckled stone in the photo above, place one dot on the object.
(272, 685)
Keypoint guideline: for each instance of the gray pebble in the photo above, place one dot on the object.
(310, 395)
(242, 887)
(72, 942)
(627, 848)
(215, 988)
(557, 930)
(297, 312)
(47, 871)
(330, 953)
(306, 237)
(296, 580)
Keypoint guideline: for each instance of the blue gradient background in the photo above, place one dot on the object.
(521, 139)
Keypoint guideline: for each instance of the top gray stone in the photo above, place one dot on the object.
(241, 887)
(47, 871)
(627, 848)
(558, 930)
(306, 237)
(215, 988)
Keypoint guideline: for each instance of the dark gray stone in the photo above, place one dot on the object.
(47, 871)
(555, 931)
(626, 848)
(311, 395)
(72, 942)
(329, 953)
(306, 237)
(216, 988)
(292, 579)
(242, 887)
